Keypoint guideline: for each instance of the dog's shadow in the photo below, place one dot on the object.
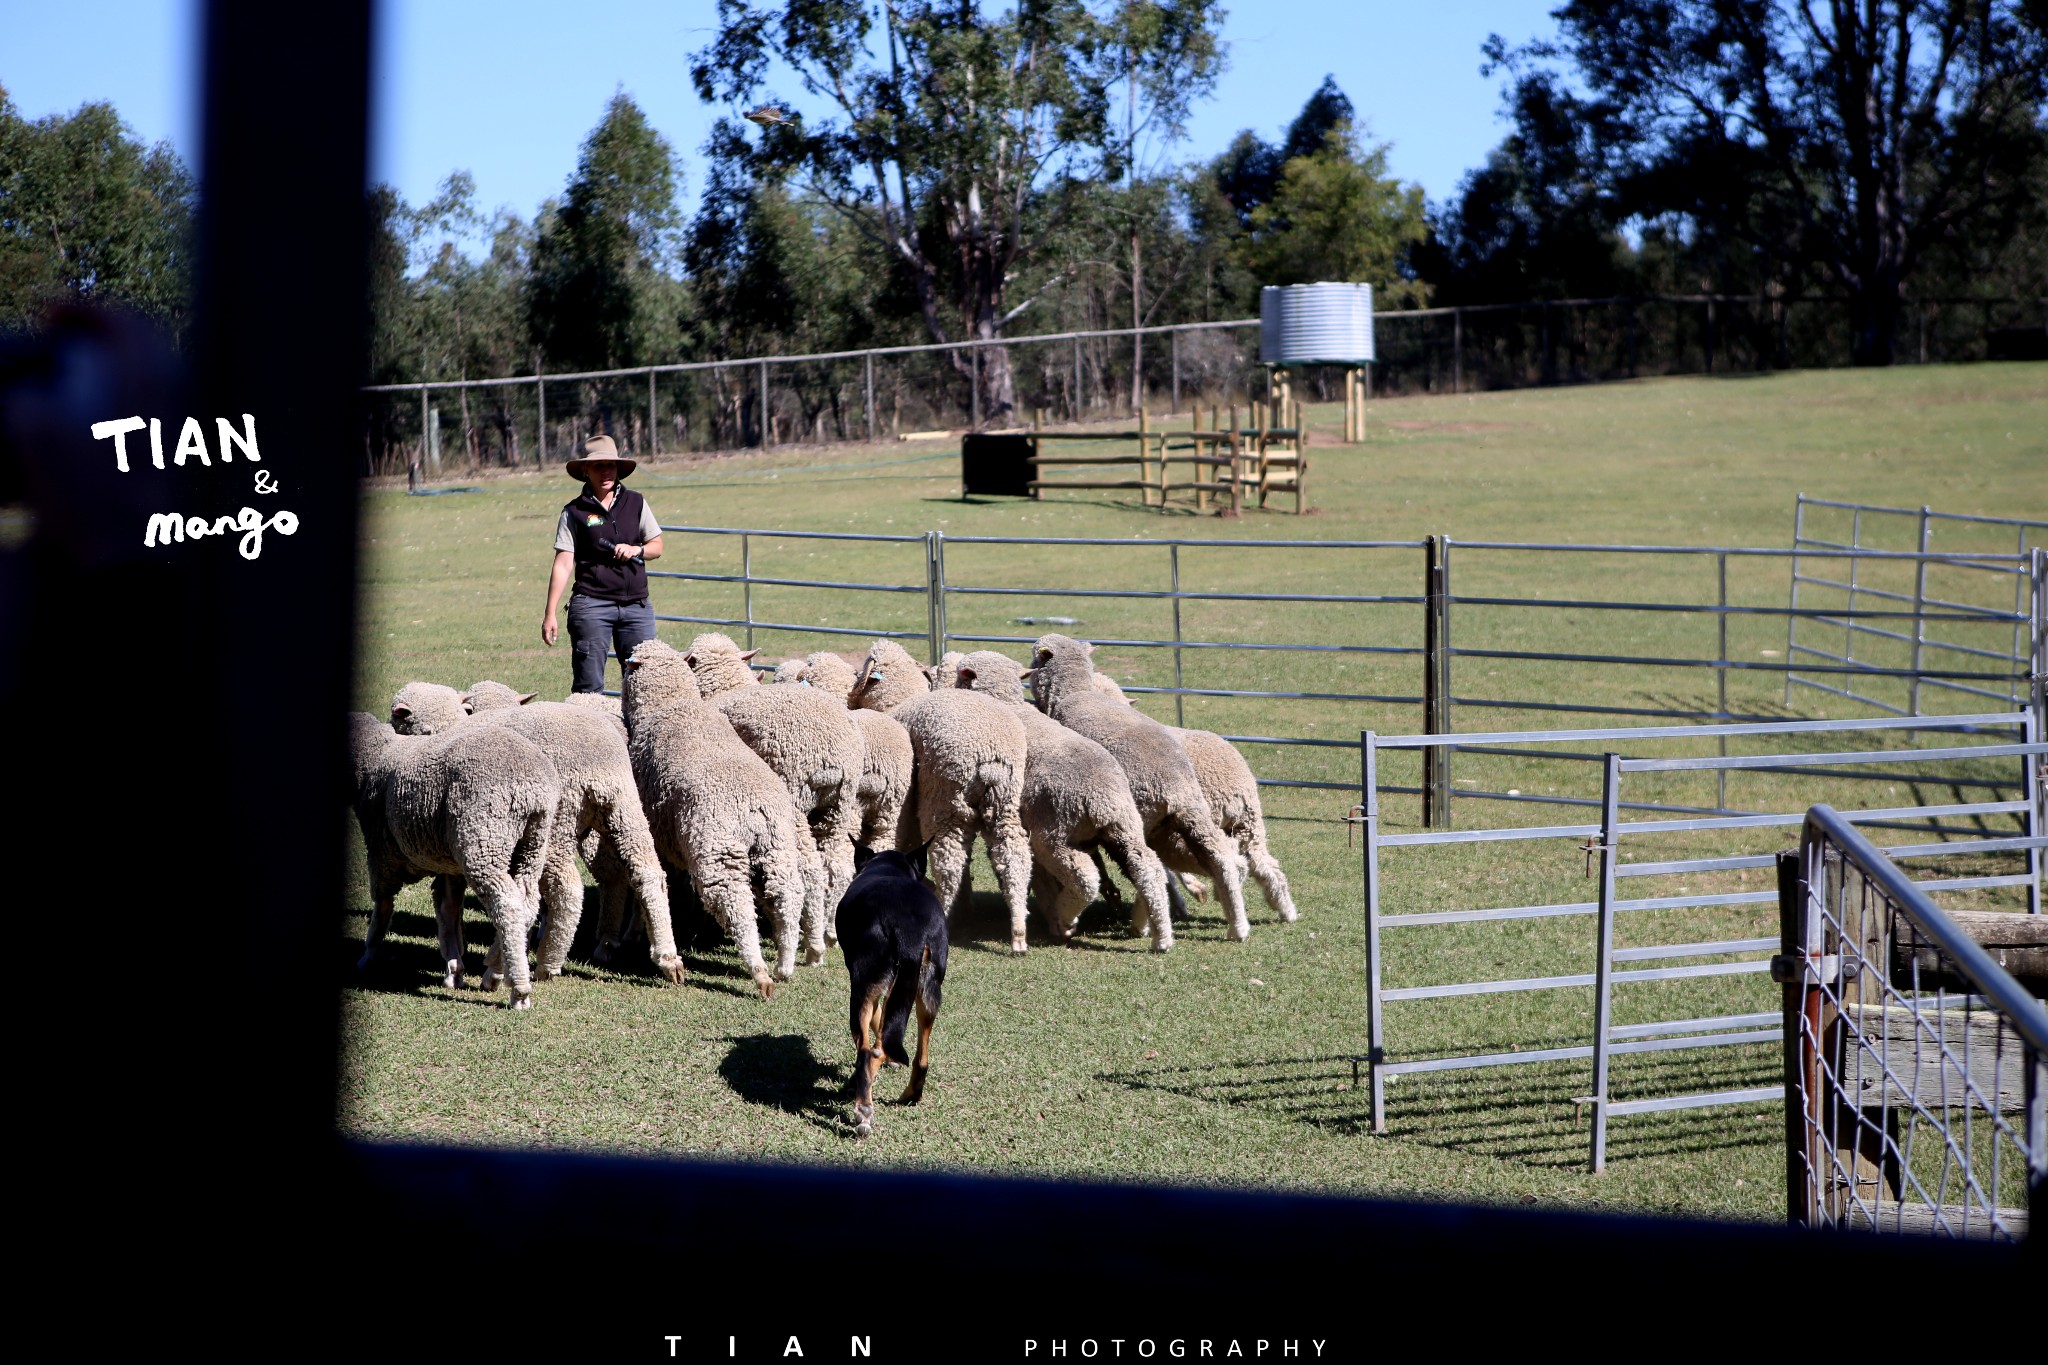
(781, 1071)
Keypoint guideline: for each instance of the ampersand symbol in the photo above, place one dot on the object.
(264, 483)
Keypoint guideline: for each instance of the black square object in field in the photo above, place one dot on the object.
(995, 466)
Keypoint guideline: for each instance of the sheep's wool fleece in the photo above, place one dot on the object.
(718, 811)
(1075, 796)
(451, 803)
(1154, 762)
(889, 678)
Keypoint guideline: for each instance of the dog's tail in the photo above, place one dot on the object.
(903, 992)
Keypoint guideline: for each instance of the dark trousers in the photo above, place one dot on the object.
(596, 628)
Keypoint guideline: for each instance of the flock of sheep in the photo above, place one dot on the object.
(759, 793)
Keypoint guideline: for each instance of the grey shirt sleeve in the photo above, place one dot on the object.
(650, 526)
(565, 542)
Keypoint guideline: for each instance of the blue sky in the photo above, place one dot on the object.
(508, 90)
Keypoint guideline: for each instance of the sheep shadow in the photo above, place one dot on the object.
(779, 1071)
(983, 926)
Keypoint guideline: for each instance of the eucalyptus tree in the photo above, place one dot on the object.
(89, 213)
(1874, 132)
(960, 136)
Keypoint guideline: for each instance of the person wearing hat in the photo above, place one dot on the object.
(603, 541)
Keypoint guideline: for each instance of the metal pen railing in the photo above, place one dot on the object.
(2028, 535)
(1916, 1066)
(1604, 841)
(1437, 697)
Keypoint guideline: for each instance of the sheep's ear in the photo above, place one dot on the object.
(469, 703)
(631, 665)
(690, 659)
(1090, 648)
(748, 657)
(966, 675)
(928, 674)
(399, 710)
(528, 697)
(1025, 673)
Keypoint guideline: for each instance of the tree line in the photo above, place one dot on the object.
(980, 170)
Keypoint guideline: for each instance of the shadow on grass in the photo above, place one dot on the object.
(1531, 1120)
(781, 1072)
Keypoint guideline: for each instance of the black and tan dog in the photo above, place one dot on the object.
(893, 934)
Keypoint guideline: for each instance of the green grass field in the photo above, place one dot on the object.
(1221, 1062)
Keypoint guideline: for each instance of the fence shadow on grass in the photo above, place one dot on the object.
(781, 1072)
(1531, 1122)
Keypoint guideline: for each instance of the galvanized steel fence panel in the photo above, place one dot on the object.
(1917, 1068)
(1603, 841)
(1896, 629)
(1361, 632)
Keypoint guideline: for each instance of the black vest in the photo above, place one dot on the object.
(598, 573)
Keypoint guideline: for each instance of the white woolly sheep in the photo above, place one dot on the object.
(1075, 800)
(887, 761)
(812, 744)
(971, 753)
(600, 702)
(946, 673)
(599, 817)
(1233, 795)
(1178, 825)
(718, 812)
(478, 804)
(609, 828)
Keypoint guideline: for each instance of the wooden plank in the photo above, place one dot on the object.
(1920, 1220)
(1911, 1047)
(1125, 483)
(2017, 942)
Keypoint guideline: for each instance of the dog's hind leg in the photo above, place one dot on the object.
(927, 1014)
(867, 1026)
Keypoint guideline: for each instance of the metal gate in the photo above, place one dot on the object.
(1917, 1067)
(1609, 966)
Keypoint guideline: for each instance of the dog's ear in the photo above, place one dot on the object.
(917, 859)
(862, 856)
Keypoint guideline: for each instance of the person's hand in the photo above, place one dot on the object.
(548, 630)
(625, 551)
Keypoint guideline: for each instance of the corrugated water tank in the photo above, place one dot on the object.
(1309, 323)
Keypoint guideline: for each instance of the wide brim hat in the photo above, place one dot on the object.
(598, 448)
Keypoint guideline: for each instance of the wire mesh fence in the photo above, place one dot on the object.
(1915, 1063)
(884, 392)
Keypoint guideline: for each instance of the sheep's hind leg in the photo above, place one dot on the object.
(1010, 850)
(1112, 894)
(1218, 856)
(510, 913)
(947, 862)
(783, 887)
(1154, 885)
(380, 922)
(1074, 879)
(1265, 870)
(562, 894)
(732, 905)
(448, 924)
